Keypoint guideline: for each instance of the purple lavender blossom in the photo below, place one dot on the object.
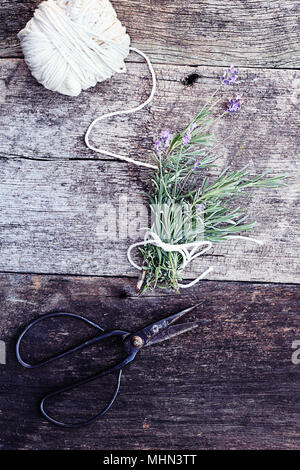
(197, 165)
(166, 138)
(234, 105)
(164, 141)
(200, 207)
(188, 135)
(158, 145)
(186, 138)
(165, 134)
(230, 75)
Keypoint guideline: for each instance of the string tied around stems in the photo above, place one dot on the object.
(189, 252)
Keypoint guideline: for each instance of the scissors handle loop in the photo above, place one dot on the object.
(101, 336)
(63, 354)
(82, 423)
(117, 367)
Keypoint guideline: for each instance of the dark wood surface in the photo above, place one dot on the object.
(230, 384)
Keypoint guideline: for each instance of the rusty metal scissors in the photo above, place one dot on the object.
(132, 343)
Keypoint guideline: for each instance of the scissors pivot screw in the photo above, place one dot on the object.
(137, 342)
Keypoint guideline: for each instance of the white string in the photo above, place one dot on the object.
(127, 111)
(70, 45)
(188, 251)
(259, 242)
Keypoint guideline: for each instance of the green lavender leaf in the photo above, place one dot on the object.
(179, 183)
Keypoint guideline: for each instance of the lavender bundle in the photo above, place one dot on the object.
(189, 211)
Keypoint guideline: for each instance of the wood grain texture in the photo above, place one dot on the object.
(230, 384)
(258, 33)
(265, 133)
(63, 217)
(52, 210)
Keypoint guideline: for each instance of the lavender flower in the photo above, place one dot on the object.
(165, 135)
(234, 105)
(186, 138)
(230, 75)
(188, 135)
(166, 138)
(197, 165)
(164, 141)
(158, 146)
(200, 207)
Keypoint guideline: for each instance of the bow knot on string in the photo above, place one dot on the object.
(188, 251)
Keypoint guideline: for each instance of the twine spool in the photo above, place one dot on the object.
(70, 45)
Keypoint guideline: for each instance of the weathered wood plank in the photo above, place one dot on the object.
(230, 384)
(258, 33)
(64, 217)
(49, 208)
(38, 123)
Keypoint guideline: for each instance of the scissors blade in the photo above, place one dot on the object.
(171, 332)
(152, 330)
(172, 318)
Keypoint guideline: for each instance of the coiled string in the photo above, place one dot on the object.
(126, 111)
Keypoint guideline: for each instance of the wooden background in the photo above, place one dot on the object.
(229, 385)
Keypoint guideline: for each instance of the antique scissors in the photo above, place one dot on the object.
(132, 343)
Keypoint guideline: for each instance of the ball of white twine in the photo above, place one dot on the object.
(70, 45)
